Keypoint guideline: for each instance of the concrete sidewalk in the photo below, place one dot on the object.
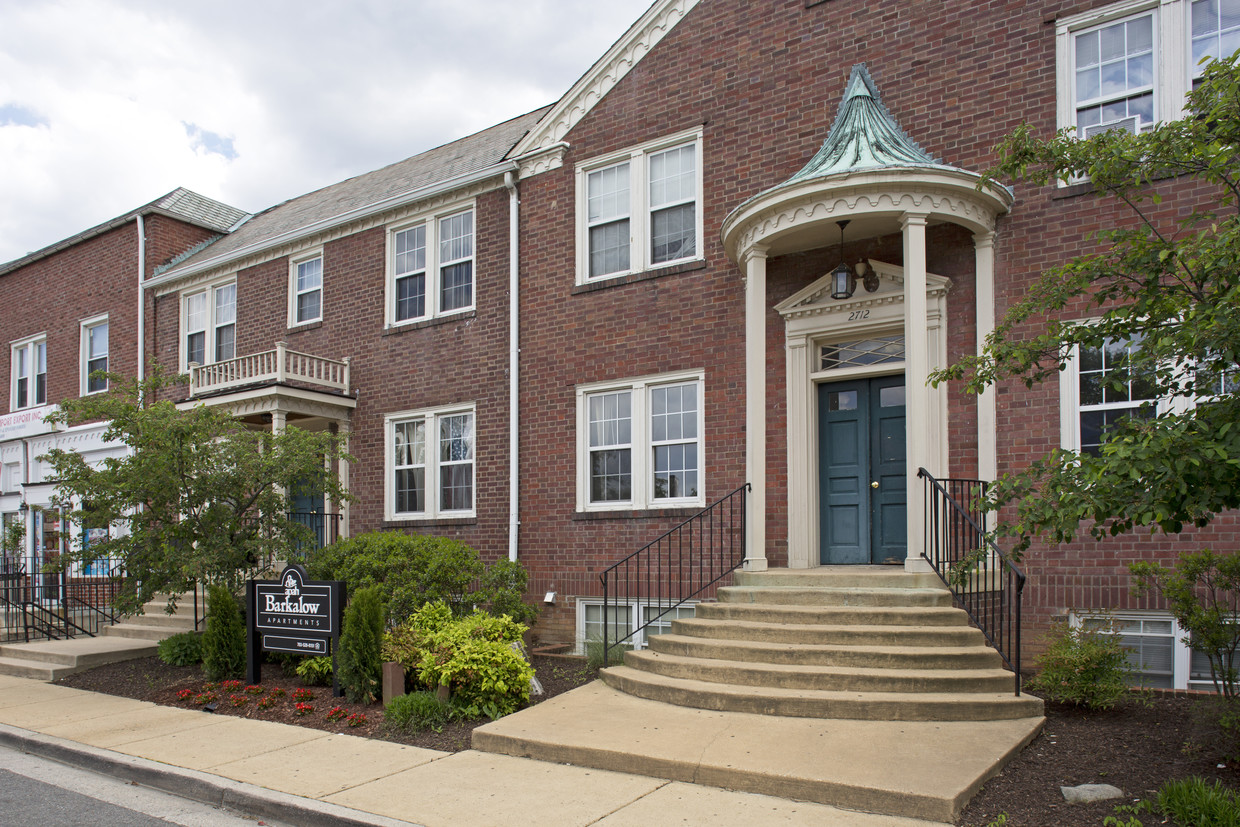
(309, 777)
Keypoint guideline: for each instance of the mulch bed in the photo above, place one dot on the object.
(1135, 747)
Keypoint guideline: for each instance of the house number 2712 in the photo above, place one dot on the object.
(858, 314)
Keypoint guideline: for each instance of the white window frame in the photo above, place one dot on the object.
(1182, 652)
(88, 326)
(31, 346)
(1173, 65)
(294, 293)
(641, 445)
(636, 611)
(434, 264)
(638, 159)
(1070, 403)
(431, 481)
(210, 322)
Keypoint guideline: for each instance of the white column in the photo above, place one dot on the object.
(987, 447)
(755, 407)
(802, 518)
(918, 430)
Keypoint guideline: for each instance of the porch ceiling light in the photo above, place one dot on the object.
(843, 280)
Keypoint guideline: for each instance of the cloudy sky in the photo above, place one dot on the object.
(106, 105)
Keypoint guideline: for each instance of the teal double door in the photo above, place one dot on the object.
(862, 488)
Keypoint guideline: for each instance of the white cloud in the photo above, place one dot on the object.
(108, 104)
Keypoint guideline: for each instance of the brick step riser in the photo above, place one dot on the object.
(840, 598)
(792, 678)
(828, 635)
(834, 578)
(803, 655)
(864, 708)
(832, 616)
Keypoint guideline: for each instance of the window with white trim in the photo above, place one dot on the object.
(640, 208)
(430, 467)
(1159, 650)
(623, 619)
(94, 355)
(305, 289)
(1098, 390)
(29, 372)
(1128, 65)
(431, 267)
(640, 443)
(209, 325)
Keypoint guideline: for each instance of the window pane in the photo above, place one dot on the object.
(675, 471)
(411, 250)
(673, 233)
(456, 237)
(611, 476)
(457, 286)
(225, 342)
(609, 248)
(226, 304)
(608, 193)
(456, 438)
(610, 419)
(196, 312)
(410, 490)
(411, 297)
(457, 487)
(673, 177)
(195, 348)
(308, 306)
(310, 275)
(97, 341)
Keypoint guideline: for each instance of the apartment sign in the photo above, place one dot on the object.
(293, 614)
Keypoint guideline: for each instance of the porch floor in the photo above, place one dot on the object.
(926, 770)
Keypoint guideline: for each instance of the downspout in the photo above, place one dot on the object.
(514, 351)
(141, 302)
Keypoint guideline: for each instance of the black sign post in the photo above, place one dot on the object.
(293, 614)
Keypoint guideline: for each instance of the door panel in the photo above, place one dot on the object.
(862, 443)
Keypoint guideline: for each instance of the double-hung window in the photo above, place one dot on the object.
(209, 325)
(94, 355)
(29, 372)
(1128, 65)
(305, 289)
(640, 209)
(1099, 389)
(430, 469)
(641, 443)
(431, 267)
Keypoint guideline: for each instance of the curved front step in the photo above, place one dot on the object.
(808, 703)
(831, 596)
(864, 656)
(825, 678)
(835, 615)
(805, 633)
(840, 577)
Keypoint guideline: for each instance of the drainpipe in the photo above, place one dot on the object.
(514, 351)
(141, 301)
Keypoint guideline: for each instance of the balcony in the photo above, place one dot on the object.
(279, 366)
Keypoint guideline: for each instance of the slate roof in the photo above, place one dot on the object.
(469, 154)
(181, 203)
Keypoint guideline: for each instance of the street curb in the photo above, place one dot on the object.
(195, 785)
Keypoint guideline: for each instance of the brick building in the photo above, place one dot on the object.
(564, 335)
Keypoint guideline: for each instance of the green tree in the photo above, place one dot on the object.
(200, 496)
(360, 660)
(1167, 283)
(223, 643)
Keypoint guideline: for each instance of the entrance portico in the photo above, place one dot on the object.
(871, 174)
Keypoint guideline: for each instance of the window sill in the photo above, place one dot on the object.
(638, 513)
(299, 328)
(645, 275)
(464, 315)
(430, 522)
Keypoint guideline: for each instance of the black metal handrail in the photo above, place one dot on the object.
(983, 580)
(325, 528)
(678, 566)
(55, 604)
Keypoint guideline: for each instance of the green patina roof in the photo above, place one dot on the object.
(864, 136)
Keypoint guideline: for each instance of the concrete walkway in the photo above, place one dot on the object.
(309, 777)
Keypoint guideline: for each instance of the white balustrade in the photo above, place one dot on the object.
(279, 365)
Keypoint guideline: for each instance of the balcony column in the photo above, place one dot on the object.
(755, 407)
(921, 440)
(987, 421)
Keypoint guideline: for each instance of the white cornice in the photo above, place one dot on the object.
(610, 69)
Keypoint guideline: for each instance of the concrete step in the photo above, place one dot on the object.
(34, 669)
(161, 620)
(820, 678)
(835, 596)
(52, 659)
(820, 703)
(138, 631)
(806, 633)
(816, 654)
(844, 577)
(835, 615)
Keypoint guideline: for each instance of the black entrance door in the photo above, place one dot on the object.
(861, 471)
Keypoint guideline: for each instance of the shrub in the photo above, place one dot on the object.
(417, 711)
(315, 671)
(414, 570)
(223, 643)
(1193, 801)
(184, 649)
(478, 658)
(1085, 667)
(361, 638)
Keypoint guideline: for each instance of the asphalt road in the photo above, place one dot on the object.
(35, 792)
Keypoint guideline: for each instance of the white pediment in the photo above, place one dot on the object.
(815, 299)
